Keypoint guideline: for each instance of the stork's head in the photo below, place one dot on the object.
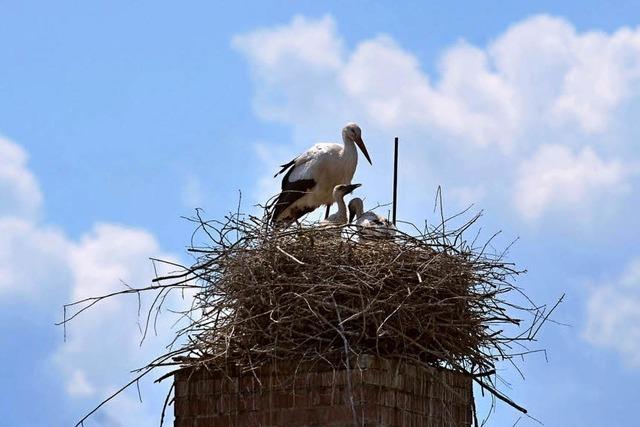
(339, 191)
(356, 208)
(353, 133)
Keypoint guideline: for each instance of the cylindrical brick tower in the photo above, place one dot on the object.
(376, 392)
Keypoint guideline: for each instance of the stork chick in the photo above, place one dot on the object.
(369, 224)
(340, 217)
(312, 176)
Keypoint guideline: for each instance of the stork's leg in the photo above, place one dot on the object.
(326, 214)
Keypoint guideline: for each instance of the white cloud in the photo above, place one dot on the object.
(469, 102)
(605, 72)
(614, 315)
(103, 261)
(566, 75)
(313, 42)
(555, 177)
(486, 110)
(41, 266)
(111, 254)
(290, 62)
(19, 191)
(33, 261)
(302, 73)
(539, 69)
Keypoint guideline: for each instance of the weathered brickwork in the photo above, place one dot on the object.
(384, 394)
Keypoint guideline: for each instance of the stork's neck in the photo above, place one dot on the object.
(349, 148)
(359, 208)
(342, 208)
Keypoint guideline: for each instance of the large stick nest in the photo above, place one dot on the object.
(299, 294)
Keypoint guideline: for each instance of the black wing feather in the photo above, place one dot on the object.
(291, 191)
(285, 167)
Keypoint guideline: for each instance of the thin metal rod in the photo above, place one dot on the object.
(395, 180)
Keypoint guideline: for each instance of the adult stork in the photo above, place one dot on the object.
(369, 224)
(340, 217)
(311, 177)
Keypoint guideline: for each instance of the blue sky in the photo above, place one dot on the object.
(115, 120)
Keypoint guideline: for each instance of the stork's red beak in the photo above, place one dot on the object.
(362, 147)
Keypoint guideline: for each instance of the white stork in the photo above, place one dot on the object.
(369, 224)
(312, 176)
(340, 217)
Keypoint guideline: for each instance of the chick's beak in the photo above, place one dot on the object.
(360, 144)
(350, 187)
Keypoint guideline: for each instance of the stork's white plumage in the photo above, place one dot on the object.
(340, 217)
(311, 177)
(369, 224)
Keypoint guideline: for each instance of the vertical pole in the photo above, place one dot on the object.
(395, 180)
